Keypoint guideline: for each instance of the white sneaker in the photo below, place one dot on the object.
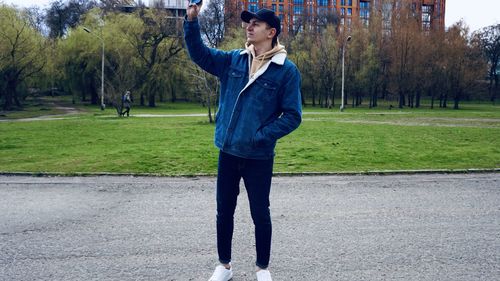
(264, 275)
(222, 274)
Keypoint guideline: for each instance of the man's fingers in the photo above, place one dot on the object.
(192, 9)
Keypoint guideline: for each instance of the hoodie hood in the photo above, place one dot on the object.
(260, 60)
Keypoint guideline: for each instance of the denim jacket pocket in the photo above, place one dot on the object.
(260, 140)
(236, 80)
(235, 73)
(267, 84)
(266, 90)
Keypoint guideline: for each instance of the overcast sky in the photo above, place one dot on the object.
(478, 14)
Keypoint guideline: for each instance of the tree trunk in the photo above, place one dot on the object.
(151, 100)
(491, 92)
(320, 99)
(384, 91)
(142, 99)
(10, 93)
(94, 97)
(173, 93)
(359, 99)
(411, 99)
(431, 93)
(333, 93)
(495, 91)
(84, 92)
(16, 101)
(329, 97)
(401, 99)
(210, 120)
(456, 99)
(443, 101)
(417, 99)
(313, 95)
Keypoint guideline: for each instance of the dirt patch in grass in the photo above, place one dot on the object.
(424, 121)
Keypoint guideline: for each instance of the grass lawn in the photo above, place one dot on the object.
(356, 140)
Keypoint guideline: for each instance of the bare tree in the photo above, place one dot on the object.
(62, 15)
(156, 45)
(214, 22)
(462, 64)
(111, 5)
(404, 32)
(489, 40)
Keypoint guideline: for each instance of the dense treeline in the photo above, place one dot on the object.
(402, 64)
(59, 50)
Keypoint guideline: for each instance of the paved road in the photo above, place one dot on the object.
(399, 227)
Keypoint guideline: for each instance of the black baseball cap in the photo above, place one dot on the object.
(264, 15)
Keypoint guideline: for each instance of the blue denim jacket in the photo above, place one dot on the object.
(253, 113)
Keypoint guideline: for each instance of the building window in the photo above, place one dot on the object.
(298, 2)
(349, 11)
(281, 7)
(426, 16)
(364, 12)
(322, 2)
(274, 7)
(323, 11)
(297, 10)
(386, 16)
(252, 8)
(342, 11)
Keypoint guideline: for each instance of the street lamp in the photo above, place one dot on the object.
(343, 66)
(103, 106)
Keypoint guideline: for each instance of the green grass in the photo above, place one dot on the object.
(356, 140)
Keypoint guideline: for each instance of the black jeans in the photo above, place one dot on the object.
(257, 175)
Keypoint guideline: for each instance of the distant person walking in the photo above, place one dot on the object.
(259, 103)
(126, 102)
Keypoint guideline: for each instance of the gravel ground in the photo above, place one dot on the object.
(394, 227)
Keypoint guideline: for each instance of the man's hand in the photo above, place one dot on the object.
(192, 11)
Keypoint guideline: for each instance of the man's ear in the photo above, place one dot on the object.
(272, 32)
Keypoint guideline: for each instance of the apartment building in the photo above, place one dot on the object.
(176, 7)
(295, 14)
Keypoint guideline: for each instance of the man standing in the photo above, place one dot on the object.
(259, 103)
(126, 101)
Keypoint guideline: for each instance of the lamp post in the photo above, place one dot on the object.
(343, 66)
(103, 106)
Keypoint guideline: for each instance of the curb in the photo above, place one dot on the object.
(277, 174)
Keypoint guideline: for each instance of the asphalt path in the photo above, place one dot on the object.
(392, 227)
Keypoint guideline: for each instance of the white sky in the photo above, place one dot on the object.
(477, 15)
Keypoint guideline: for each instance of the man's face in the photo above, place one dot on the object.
(259, 31)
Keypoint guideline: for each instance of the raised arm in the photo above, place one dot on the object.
(211, 60)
